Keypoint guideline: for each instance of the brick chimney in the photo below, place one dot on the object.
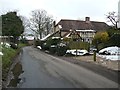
(87, 19)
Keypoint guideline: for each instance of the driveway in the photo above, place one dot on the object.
(45, 71)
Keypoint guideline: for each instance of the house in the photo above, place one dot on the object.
(29, 39)
(86, 29)
(6, 39)
(119, 14)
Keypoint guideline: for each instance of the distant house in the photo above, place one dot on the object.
(7, 39)
(30, 39)
(86, 29)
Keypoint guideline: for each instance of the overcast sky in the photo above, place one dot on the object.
(63, 9)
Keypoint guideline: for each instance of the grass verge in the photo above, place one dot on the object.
(8, 59)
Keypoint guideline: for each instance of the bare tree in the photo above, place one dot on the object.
(26, 24)
(48, 24)
(26, 21)
(40, 22)
(113, 18)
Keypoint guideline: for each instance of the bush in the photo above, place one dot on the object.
(24, 41)
(55, 46)
(14, 46)
(37, 43)
(47, 45)
(113, 41)
(58, 50)
(79, 45)
(61, 50)
(53, 49)
(40, 43)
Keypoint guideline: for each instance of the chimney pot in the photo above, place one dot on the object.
(87, 19)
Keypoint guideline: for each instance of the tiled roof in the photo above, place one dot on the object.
(82, 25)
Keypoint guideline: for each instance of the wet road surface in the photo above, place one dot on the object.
(45, 71)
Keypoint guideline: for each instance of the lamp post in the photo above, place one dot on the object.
(94, 54)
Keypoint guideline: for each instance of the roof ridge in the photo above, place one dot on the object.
(81, 20)
(98, 21)
(71, 20)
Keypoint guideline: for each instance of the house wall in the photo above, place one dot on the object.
(4, 39)
(63, 33)
(87, 36)
(57, 28)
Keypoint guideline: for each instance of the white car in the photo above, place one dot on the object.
(79, 52)
(114, 50)
(39, 47)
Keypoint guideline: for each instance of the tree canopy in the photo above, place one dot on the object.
(100, 37)
(12, 25)
(113, 18)
(41, 22)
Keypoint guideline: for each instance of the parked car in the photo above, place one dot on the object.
(79, 52)
(104, 53)
(39, 47)
(114, 50)
(92, 49)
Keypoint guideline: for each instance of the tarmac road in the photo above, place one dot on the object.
(45, 71)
